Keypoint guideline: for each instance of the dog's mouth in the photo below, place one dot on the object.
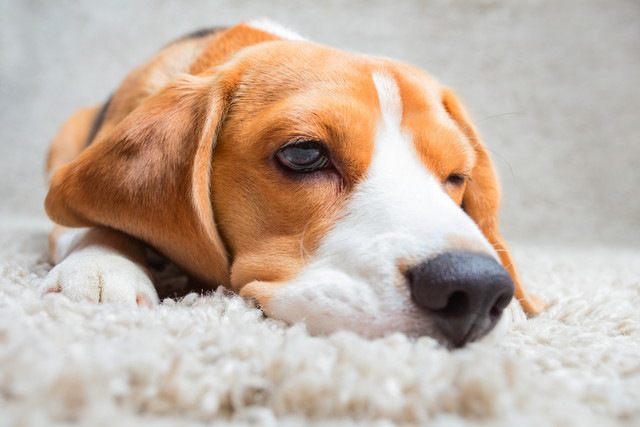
(455, 298)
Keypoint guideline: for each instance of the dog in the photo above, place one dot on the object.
(342, 190)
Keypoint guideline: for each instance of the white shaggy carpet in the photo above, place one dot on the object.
(214, 358)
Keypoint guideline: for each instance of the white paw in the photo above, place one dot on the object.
(99, 276)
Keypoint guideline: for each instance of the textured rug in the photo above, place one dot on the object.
(214, 358)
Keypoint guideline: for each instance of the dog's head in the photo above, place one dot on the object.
(342, 190)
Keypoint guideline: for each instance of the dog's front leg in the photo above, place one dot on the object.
(99, 265)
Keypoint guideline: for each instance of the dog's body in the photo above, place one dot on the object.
(325, 185)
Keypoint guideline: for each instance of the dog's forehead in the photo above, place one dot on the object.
(282, 67)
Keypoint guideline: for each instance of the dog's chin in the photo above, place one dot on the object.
(417, 327)
(323, 316)
(414, 324)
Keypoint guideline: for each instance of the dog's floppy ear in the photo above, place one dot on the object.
(149, 177)
(481, 201)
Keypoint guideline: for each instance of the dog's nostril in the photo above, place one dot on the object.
(457, 305)
(500, 304)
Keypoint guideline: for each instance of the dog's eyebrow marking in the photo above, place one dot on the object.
(274, 28)
(389, 98)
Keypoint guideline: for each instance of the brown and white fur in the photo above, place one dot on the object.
(181, 159)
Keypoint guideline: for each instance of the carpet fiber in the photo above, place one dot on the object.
(205, 358)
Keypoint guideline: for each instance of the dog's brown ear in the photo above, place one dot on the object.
(481, 201)
(149, 177)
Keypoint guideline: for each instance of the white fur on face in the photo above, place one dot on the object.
(398, 214)
(274, 28)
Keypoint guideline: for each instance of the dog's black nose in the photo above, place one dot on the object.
(466, 292)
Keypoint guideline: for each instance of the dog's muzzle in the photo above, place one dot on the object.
(465, 292)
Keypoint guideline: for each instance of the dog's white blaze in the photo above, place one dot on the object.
(399, 214)
(274, 28)
(389, 98)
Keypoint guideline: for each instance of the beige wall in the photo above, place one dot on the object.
(553, 85)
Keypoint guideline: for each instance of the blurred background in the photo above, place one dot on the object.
(554, 87)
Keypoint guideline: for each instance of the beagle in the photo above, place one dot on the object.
(342, 190)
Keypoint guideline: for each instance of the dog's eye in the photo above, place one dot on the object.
(303, 156)
(456, 179)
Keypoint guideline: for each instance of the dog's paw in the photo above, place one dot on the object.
(101, 277)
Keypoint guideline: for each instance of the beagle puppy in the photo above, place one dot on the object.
(342, 190)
